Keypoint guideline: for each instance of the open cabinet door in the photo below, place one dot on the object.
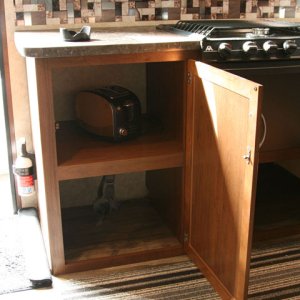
(221, 170)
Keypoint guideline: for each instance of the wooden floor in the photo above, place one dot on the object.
(134, 227)
(277, 208)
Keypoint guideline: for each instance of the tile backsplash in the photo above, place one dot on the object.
(56, 12)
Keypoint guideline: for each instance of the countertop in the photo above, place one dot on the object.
(47, 44)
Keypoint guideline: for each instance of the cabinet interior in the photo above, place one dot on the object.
(144, 226)
(80, 154)
(278, 189)
(135, 225)
(280, 109)
(277, 207)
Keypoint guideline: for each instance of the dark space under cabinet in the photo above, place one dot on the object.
(277, 208)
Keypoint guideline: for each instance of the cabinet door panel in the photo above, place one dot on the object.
(222, 118)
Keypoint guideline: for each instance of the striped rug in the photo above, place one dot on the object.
(275, 270)
(274, 274)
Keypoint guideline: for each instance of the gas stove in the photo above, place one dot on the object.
(242, 40)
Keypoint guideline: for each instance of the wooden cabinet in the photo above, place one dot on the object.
(201, 169)
(65, 152)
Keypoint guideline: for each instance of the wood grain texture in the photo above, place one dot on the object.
(166, 92)
(125, 259)
(222, 125)
(43, 130)
(166, 189)
(68, 153)
(7, 101)
(84, 155)
(135, 227)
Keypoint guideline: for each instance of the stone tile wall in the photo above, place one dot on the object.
(49, 12)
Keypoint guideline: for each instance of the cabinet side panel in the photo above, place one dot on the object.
(43, 129)
(165, 191)
(165, 95)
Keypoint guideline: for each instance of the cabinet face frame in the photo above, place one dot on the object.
(39, 73)
(220, 184)
(43, 132)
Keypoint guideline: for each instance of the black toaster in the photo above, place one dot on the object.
(112, 112)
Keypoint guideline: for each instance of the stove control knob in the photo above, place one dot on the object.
(270, 47)
(224, 50)
(289, 46)
(250, 48)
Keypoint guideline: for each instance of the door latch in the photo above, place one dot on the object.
(247, 156)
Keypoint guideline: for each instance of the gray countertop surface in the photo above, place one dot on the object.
(50, 44)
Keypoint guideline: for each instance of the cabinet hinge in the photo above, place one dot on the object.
(185, 237)
(189, 78)
(57, 126)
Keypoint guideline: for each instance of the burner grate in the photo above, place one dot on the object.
(194, 27)
(206, 27)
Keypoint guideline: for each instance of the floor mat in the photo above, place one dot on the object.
(13, 275)
(174, 280)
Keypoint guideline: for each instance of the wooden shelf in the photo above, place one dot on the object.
(135, 227)
(80, 154)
